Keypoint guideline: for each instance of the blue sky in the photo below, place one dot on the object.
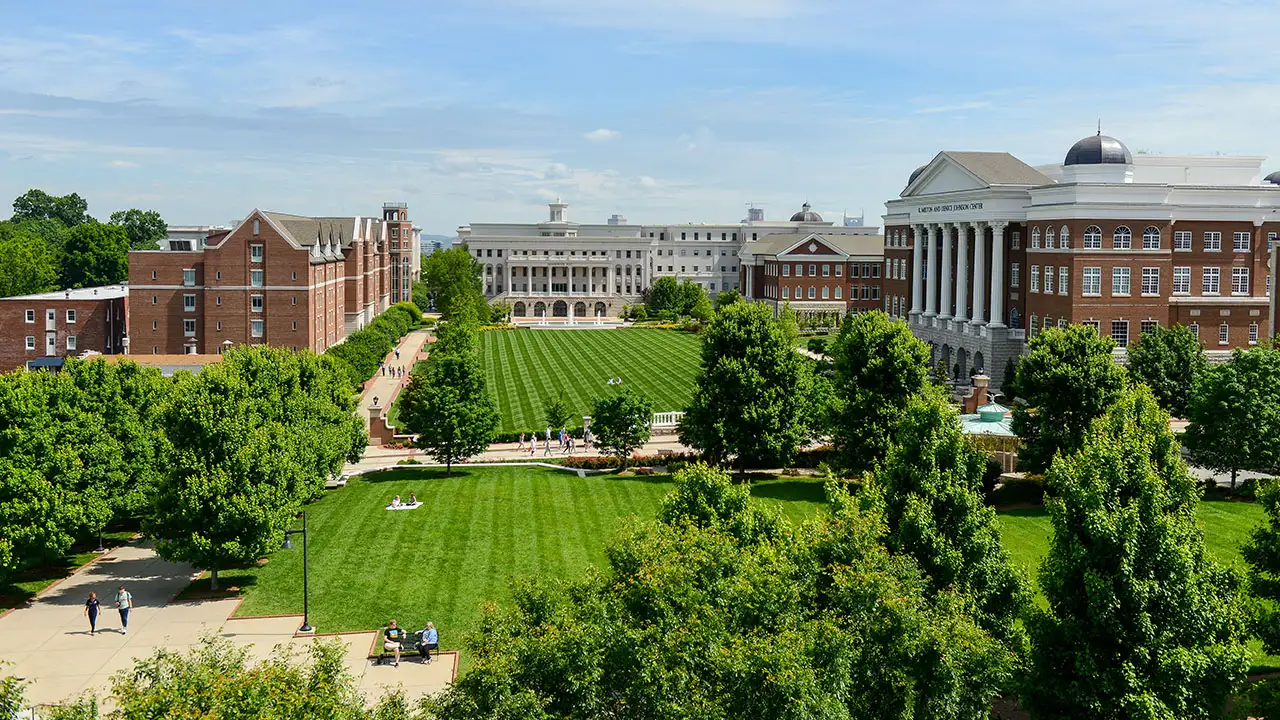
(661, 110)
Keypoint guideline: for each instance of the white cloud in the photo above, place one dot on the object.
(602, 135)
(557, 171)
(123, 164)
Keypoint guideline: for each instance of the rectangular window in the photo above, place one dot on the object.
(812, 293)
(1182, 280)
(153, 274)
(786, 293)
(1150, 281)
(255, 253)
(219, 326)
(31, 316)
(189, 277)
(219, 300)
(1035, 278)
(1240, 281)
(1048, 279)
(31, 342)
(255, 227)
(1120, 332)
(1210, 279)
(854, 270)
(155, 324)
(1146, 326)
(1063, 273)
(1240, 242)
(1253, 333)
(255, 328)
(826, 271)
(1033, 324)
(189, 328)
(826, 293)
(1212, 241)
(1224, 334)
(1182, 240)
(71, 343)
(255, 278)
(1015, 274)
(875, 271)
(188, 303)
(1016, 240)
(786, 271)
(255, 303)
(1195, 329)
(1092, 283)
(71, 316)
(813, 271)
(1120, 281)
(839, 292)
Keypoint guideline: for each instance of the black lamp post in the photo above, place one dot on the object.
(306, 618)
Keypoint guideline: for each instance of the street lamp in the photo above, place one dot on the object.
(286, 545)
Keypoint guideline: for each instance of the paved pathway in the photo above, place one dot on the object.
(377, 457)
(385, 387)
(49, 644)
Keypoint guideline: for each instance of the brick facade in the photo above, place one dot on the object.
(56, 325)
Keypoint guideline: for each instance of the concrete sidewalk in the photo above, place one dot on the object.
(384, 388)
(377, 457)
(49, 644)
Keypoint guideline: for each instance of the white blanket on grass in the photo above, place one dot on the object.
(414, 506)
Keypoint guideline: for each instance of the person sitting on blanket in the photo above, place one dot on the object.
(413, 499)
(395, 502)
(393, 637)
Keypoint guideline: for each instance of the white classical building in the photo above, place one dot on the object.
(557, 267)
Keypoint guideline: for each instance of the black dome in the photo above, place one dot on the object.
(915, 174)
(1098, 150)
(1273, 178)
(806, 215)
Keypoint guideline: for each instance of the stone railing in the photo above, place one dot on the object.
(665, 422)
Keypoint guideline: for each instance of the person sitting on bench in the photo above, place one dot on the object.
(430, 641)
(393, 637)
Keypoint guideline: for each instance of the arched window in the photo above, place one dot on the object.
(1048, 237)
(1064, 237)
(813, 292)
(1122, 238)
(1151, 238)
(1093, 237)
(1035, 237)
(826, 293)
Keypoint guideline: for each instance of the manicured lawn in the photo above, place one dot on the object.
(29, 582)
(525, 367)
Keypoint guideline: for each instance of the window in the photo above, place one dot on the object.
(853, 270)
(1091, 324)
(1182, 240)
(255, 303)
(1151, 238)
(188, 303)
(219, 326)
(1120, 332)
(1032, 326)
(189, 277)
(189, 328)
(826, 271)
(1015, 274)
(786, 293)
(1048, 237)
(31, 316)
(71, 316)
(839, 292)
(218, 300)
(255, 328)
(813, 271)
(218, 274)
(255, 253)
(1195, 329)
(1240, 242)
(1210, 278)
(1150, 281)
(786, 271)
(255, 227)
(1120, 281)
(1212, 241)
(826, 293)
(1182, 280)
(812, 292)
(295, 326)
(1064, 273)
(31, 342)
(1147, 326)
(1253, 333)
(1016, 240)
(1239, 281)
(1092, 282)
(1224, 334)
(294, 300)
(1035, 237)
(1035, 278)
(1122, 238)
(155, 324)
(154, 300)
(840, 270)
(1093, 237)
(255, 278)
(1048, 279)
(875, 270)
(71, 343)
(1065, 236)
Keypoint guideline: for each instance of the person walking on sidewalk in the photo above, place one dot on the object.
(91, 612)
(521, 445)
(124, 601)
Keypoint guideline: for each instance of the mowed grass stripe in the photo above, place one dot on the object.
(524, 368)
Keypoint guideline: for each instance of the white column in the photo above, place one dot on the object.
(611, 279)
(931, 262)
(997, 274)
(962, 273)
(1272, 305)
(945, 271)
(979, 273)
(917, 270)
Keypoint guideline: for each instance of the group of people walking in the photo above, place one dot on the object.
(566, 440)
(124, 603)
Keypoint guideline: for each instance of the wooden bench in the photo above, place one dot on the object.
(410, 646)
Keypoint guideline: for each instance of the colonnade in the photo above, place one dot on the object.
(583, 275)
(952, 300)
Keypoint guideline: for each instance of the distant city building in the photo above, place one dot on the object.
(42, 330)
(854, 221)
(983, 251)
(617, 220)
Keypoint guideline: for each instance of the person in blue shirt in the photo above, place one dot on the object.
(430, 641)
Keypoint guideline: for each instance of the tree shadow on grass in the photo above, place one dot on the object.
(231, 583)
(1027, 512)
(790, 490)
(408, 473)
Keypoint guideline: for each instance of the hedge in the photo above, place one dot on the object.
(365, 349)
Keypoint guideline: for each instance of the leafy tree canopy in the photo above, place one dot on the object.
(70, 210)
(453, 278)
(447, 406)
(1235, 413)
(556, 411)
(95, 254)
(1168, 360)
(145, 228)
(27, 264)
(621, 423)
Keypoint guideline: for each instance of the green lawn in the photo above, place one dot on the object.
(525, 367)
(29, 582)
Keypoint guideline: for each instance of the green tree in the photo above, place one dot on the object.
(95, 254)
(714, 614)
(70, 210)
(556, 411)
(1235, 413)
(250, 439)
(1168, 361)
(701, 309)
(1140, 622)
(1068, 379)
(1262, 554)
(453, 278)
(691, 294)
(145, 228)
(1009, 385)
(447, 406)
(931, 482)
(421, 295)
(663, 294)
(879, 365)
(751, 390)
(621, 424)
(27, 265)
(727, 297)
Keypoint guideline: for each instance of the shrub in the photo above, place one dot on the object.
(667, 316)
(644, 471)
(1248, 489)
(1020, 491)
(639, 313)
(591, 463)
(675, 466)
(817, 345)
(364, 350)
(408, 461)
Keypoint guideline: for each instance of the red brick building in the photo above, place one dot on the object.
(42, 330)
(278, 279)
(840, 270)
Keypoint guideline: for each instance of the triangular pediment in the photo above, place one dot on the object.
(943, 175)
(811, 245)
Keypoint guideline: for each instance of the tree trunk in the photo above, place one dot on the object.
(213, 580)
(448, 466)
(1233, 478)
